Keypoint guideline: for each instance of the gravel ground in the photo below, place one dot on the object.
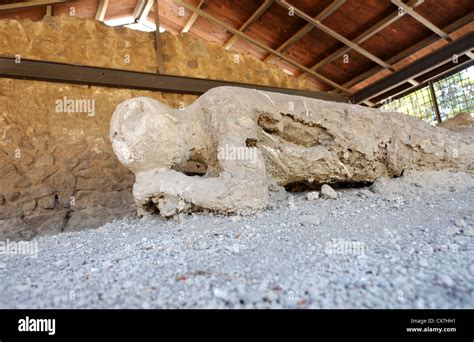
(403, 243)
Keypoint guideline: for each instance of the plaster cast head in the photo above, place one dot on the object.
(141, 127)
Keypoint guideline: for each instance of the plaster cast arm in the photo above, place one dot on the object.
(238, 191)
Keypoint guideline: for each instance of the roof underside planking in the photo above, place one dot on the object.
(351, 43)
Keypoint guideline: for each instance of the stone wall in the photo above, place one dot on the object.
(88, 42)
(57, 168)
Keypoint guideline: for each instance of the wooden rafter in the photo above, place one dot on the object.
(335, 35)
(193, 19)
(308, 27)
(253, 18)
(373, 30)
(422, 20)
(49, 11)
(415, 69)
(106, 77)
(431, 75)
(31, 4)
(405, 53)
(139, 7)
(101, 10)
(261, 45)
(159, 52)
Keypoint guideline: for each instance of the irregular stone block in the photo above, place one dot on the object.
(29, 205)
(44, 160)
(41, 190)
(328, 192)
(311, 196)
(48, 202)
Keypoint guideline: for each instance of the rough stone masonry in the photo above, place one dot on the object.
(229, 148)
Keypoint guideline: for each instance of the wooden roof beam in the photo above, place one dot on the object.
(422, 19)
(335, 35)
(159, 50)
(261, 45)
(105, 77)
(49, 11)
(31, 4)
(101, 9)
(253, 18)
(139, 7)
(405, 53)
(396, 93)
(372, 31)
(140, 14)
(308, 27)
(193, 19)
(415, 69)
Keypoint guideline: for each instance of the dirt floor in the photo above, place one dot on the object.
(402, 243)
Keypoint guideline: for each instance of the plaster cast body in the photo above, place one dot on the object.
(226, 150)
